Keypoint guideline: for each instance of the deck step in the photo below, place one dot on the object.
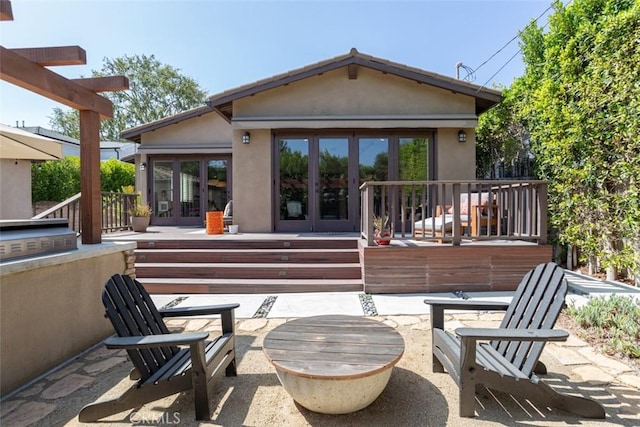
(249, 270)
(247, 255)
(247, 286)
(302, 243)
(267, 265)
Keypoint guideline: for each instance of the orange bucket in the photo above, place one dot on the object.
(215, 224)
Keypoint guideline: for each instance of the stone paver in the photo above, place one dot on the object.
(196, 325)
(28, 413)
(593, 375)
(631, 379)
(404, 320)
(608, 364)
(252, 324)
(104, 365)
(66, 386)
(565, 355)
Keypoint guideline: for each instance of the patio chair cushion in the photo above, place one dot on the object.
(477, 199)
(437, 223)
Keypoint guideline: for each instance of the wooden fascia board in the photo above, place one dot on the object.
(21, 72)
(55, 55)
(6, 13)
(104, 84)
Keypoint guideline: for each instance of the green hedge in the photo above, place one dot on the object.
(57, 180)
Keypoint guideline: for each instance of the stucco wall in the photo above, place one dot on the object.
(50, 309)
(372, 93)
(252, 182)
(456, 160)
(15, 182)
(208, 130)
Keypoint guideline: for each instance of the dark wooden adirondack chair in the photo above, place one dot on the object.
(509, 361)
(161, 367)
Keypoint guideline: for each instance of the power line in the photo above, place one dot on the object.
(507, 44)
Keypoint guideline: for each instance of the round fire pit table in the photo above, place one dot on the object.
(333, 364)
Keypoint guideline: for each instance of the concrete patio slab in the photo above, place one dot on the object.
(249, 303)
(314, 304)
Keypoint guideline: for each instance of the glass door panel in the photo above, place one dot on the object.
(162, 173)
(293, 167)
(217, 185)
(189, 192)
(373, 155)
(413, 165)
(332, 184)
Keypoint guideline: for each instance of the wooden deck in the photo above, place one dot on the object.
(186, 260)
(408, 267)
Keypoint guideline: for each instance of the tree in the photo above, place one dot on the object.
(580, 100)
(155, 91)
(501, 137)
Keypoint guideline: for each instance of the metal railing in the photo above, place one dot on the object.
(115, 207)
(450, 211)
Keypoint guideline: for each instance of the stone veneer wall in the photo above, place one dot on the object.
(51, 310)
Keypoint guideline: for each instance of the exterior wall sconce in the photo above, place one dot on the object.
(246, 138)
(143, 166)
(462, 136)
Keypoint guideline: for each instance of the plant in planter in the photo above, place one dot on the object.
(140, 216)
(382, 229)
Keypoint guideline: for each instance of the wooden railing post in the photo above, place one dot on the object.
(369, 218)
(542, 214)
(457, 235)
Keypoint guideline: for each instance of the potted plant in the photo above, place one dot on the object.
(382, 229)
(140, 216)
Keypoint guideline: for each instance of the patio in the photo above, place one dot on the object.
(414, 396)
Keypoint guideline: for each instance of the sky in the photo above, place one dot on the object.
(226, 44)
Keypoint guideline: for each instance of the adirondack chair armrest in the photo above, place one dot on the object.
(197, 311)
(439, 306)
(512, 334)
(150, 341)
(467, 304)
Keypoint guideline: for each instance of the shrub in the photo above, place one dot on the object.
(615, 320)
(57, 180)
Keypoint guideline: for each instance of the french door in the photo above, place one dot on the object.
(317, 185)
(317, 176)
(182, 190)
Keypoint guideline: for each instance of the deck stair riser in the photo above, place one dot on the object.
(307, 256)
(249, 266)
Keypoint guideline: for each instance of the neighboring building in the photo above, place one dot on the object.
(18, 149)
(293, 149)
(71, 146)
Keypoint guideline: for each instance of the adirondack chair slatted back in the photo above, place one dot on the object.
(536, 305)
(133, 313)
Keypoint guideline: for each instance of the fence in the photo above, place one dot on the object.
(115, 207)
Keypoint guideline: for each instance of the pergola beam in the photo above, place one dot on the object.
(56, 55)
(104, 84)
(6, 13)
(21, 72)
(25, 68)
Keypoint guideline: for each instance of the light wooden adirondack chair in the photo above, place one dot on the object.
(161, 367)
(509, 361)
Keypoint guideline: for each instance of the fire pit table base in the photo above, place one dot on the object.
(334, 364)
(335, 396)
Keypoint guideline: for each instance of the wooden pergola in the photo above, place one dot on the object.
(26, 68)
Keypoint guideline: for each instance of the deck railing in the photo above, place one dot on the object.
(114, 212)
(450, 211)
